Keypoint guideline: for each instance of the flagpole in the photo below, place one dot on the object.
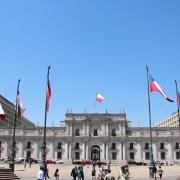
(150, 128)
(44, 140)
(177, 104)
(13, 151)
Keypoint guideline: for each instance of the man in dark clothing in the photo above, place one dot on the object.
(74, 173)
(154, 171)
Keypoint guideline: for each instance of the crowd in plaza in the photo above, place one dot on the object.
(77, 173)
(97, 173)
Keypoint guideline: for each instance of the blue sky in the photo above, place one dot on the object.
(92, 46)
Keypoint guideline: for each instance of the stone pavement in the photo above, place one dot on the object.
(137, 172)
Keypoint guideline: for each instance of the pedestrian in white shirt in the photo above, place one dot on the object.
(40, 174)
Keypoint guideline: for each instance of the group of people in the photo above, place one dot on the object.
(157, 171)
(105, 174)
(43, 172)
(77, 173)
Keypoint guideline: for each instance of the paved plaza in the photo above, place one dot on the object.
(137, 172)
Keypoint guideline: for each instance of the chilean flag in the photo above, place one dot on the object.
(178, 98)
(154, 86)
(99, 98)
(18, 104)
(2, 114)
(48, 95)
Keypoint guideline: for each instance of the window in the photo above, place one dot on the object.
(131, 156)
(95, 132)
(147, 155)
(113, 133)
(146, 146)
(28, 145)
(77, 146)
(77, 155)
(114, 156)
(0, 144)
(113, 146)
(177, 155)
(59, 146)
(162, 146)
(163, 156)
(131, 146)
(77, 132)
(177, 145)
(59, 155)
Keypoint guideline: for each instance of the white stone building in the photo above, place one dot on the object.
(105, 137)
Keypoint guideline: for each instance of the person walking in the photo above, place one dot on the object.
(124, 173)
(160, 172)
(82, 172)
(30, 162)
(41, 174)
(56, 174)
(74, 173)
(79, 173)
(93, 173)
(109, 176)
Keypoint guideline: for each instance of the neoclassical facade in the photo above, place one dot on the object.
(105, 137)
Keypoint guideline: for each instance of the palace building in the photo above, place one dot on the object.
(106, 137)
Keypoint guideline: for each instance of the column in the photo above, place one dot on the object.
(119, 129)
(87, 154)
(84, 151)
(104, 150)
(120, 152)
(70, 129)
(107, 151)
(68, 132)
(69, 150)
(155, 151)
(139, 152)
(88, 129)
(85, 128)
(105, 128)
(123, 151)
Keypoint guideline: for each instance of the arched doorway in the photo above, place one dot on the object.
(95, 153)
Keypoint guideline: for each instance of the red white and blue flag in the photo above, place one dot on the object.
(20, 109)
(178, 98)
(99, 98)
(154, 86)
(48, 95)
(2, 114)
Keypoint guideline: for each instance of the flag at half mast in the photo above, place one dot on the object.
(154, 86)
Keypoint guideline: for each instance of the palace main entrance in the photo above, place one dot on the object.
(95, 153)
